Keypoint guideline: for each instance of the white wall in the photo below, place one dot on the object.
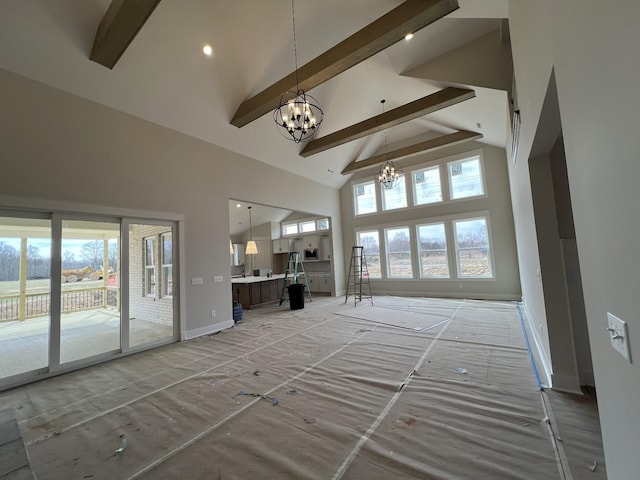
(58, 147)
(505, 285)
(592, 47)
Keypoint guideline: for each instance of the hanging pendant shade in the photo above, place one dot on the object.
(252, 248)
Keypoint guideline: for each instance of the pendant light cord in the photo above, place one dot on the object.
(386, 153)
(295, 48)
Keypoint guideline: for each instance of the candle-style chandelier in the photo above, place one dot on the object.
(298, 115)
(389, 174)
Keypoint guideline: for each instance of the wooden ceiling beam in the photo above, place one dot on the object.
(410, 16)
(428, 145)
(119, 26)
(418, 108)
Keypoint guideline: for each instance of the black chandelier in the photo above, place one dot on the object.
(298, 115)
(389, 174)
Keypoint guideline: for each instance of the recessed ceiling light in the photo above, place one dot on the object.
(408, 36)
(238, 205)
(207, 50)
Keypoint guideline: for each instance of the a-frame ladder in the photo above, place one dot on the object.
(358, 283)
(294, 267)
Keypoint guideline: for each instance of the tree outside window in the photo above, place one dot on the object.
(371, 250)
(472, 248)
(398, 253)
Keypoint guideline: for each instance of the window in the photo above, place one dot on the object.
(432, 248)
(149, 266)
(472, 248)
(167, 264)
(395, 197)
(308, 226)
(426, 186)
(371, 243)
(290, 229)
(465, 178)
(398, 245)
(364, 198)
(323, 224)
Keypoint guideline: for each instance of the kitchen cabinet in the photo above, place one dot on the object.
(255, 291)
(281, 245)
(312, 280)
(325, 281)
(325, 248)
(310, 241)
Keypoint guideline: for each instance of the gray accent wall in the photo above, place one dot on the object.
(59, 151)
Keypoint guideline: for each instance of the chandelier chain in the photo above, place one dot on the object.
(295, 48)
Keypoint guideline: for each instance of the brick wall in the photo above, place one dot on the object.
(157, 307)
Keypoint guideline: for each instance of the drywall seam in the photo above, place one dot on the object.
(210, 429)
(365, 437)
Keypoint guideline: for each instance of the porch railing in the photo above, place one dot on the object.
(39, 304)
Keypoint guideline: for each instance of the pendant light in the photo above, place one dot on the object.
(252, 248)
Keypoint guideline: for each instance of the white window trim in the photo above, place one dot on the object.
(147, 267)
(419, 251)
(469, 217)
(448, 221)
(163, 265)
(462, 158)
(376, 188)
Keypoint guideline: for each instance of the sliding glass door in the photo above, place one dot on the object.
(25, 291)
(90, 313)
(151, 283)
(80, 289)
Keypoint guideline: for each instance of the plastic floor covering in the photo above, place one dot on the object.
(326, 392)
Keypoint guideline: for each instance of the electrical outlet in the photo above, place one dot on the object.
(618, 334)
(213, 313)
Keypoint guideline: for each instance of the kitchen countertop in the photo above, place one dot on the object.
(251, 279)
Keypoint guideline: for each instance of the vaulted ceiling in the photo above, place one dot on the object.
(160, 74)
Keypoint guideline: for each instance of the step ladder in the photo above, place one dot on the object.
(358, 277)
(294, 267)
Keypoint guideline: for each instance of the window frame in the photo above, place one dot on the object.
(165, 291)
(446, 250)
(387, 252)
(383, 195)
(375, 199)
(380, 251)
(469, 218)
(149, 273)
(414, 189)
(467, 157)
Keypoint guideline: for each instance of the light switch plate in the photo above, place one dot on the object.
(618, 335)
(218, 279)
(196, 281)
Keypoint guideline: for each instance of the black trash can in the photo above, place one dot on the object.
(296, 296)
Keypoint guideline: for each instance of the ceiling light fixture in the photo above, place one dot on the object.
(207, 50)
(389, 174)
(298, 115)
(408, 36)
(252, 248)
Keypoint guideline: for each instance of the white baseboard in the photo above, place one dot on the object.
(540, 354)
(216, 327)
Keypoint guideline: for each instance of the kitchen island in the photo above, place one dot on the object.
(252, 291)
